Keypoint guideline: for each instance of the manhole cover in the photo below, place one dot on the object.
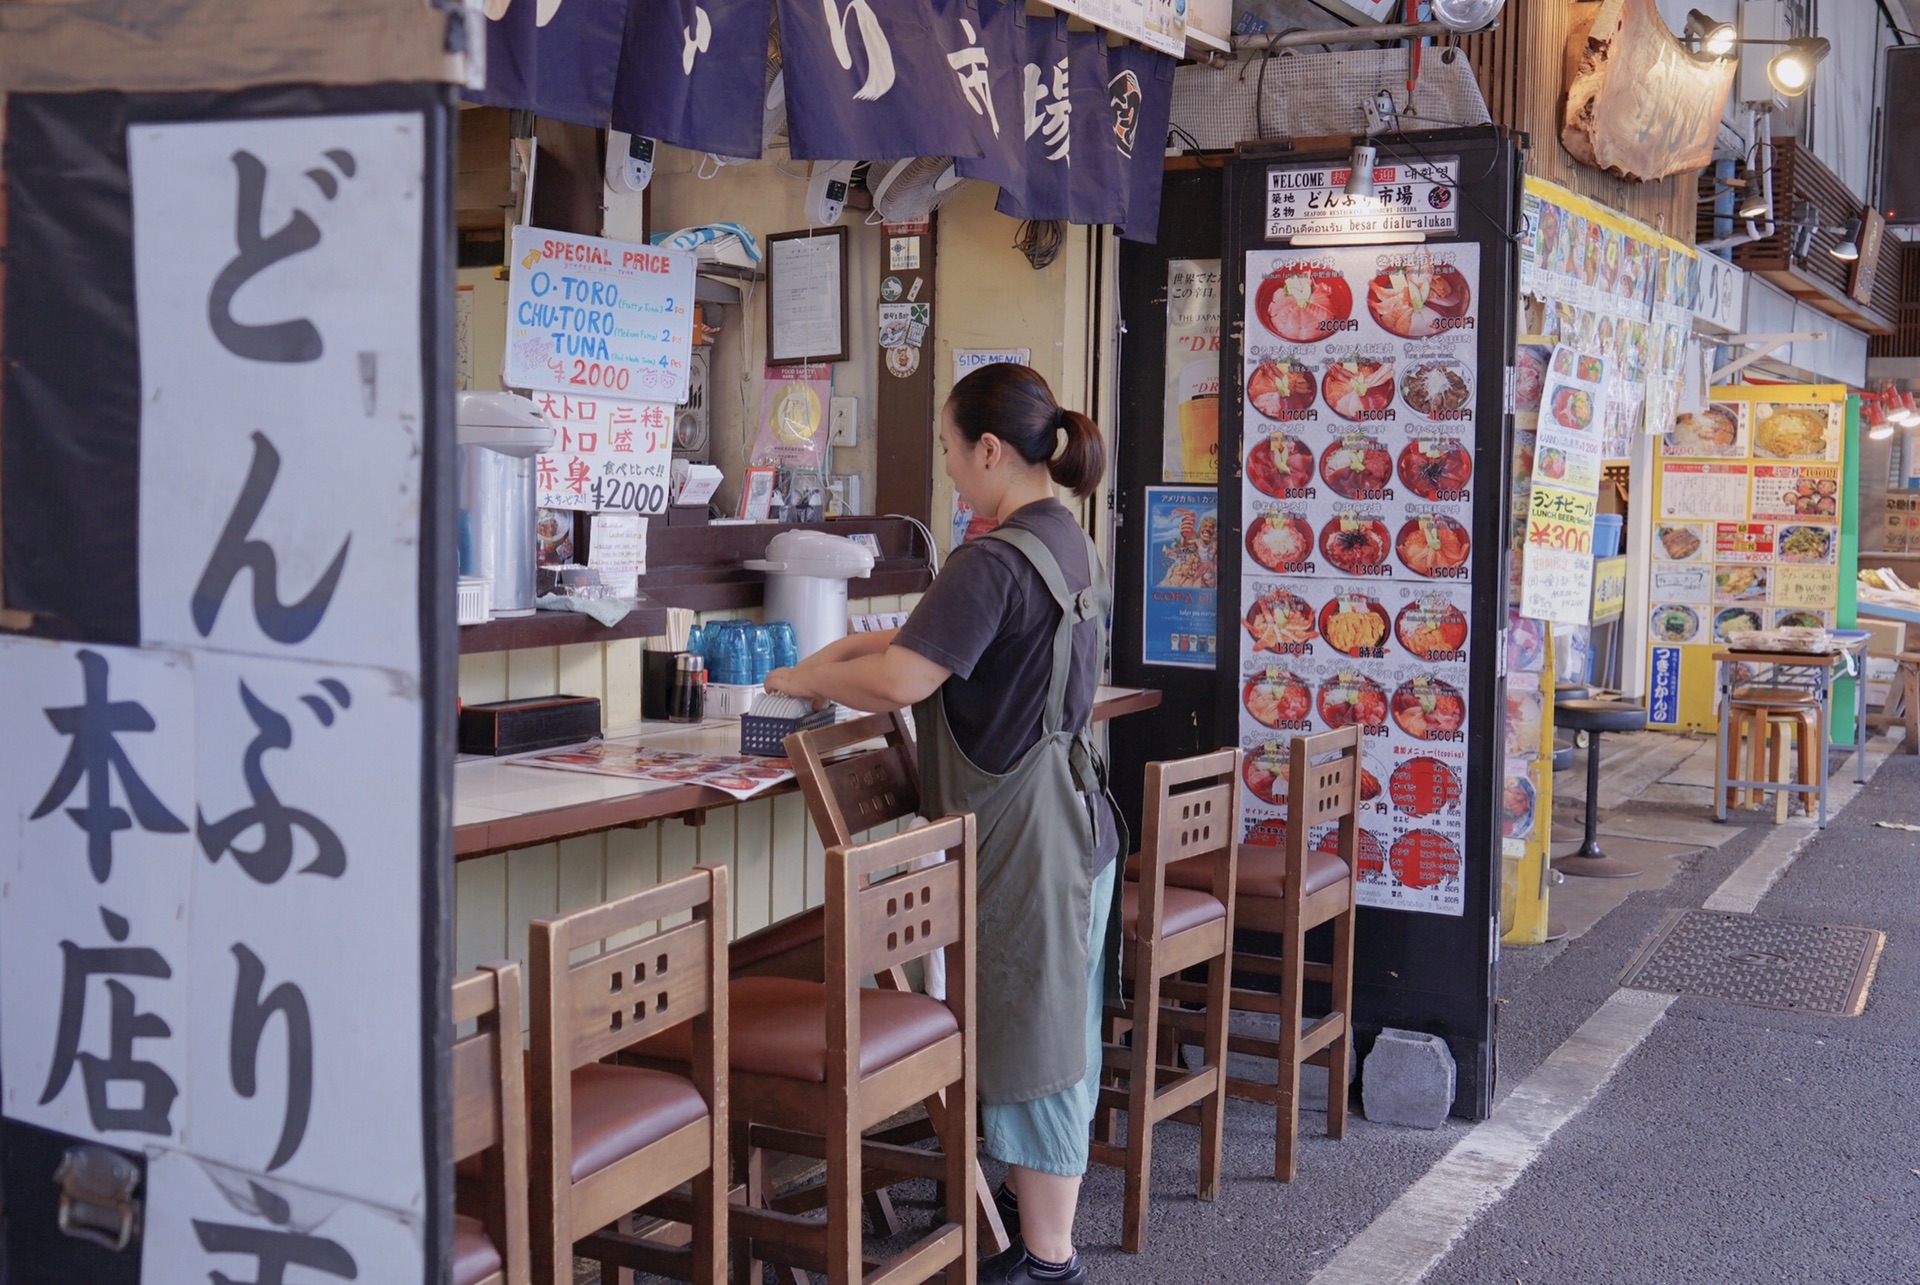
(1770, 963)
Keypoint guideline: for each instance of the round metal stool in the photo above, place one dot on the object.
(1595, 717)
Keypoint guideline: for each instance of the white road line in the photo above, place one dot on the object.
(1416, 1231)
(1740, 893)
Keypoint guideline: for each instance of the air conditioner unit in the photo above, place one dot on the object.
(692, 422)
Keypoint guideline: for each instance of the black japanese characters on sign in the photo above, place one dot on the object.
(196, 798)
(96, 755)
(238, 551)
(125, 1025)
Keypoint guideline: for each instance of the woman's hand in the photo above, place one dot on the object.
(792, 681)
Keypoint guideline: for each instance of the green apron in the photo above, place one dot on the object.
(1035, 862)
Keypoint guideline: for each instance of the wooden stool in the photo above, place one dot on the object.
(608, 1139)
(1191, 816)
(490, 1123)
(1902, 705)
(1287, 891)
(1761, 730)
(814, 1065)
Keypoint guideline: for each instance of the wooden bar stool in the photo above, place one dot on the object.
(1192, 817)
(608, 1139)
(815, 1065)
(490, 1124)
(854, 776)
(1287, 891)
(1761, 732)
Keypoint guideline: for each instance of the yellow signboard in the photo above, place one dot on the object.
(1748, 501)
(1609, 588)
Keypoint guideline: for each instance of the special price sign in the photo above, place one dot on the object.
(593, 316)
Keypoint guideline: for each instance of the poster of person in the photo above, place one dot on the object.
(1183, 574)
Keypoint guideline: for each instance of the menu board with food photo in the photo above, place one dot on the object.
(1717, 432)
(1557, 549)
(1359, 375)
(1753, 539)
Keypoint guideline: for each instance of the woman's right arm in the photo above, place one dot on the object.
(852, 645)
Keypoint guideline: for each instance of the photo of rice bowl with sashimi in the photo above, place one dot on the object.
(1279, 465)
(1356, 545)
(1303, 304)
(1277, 387)
(1279, 619)
(1418, 299)
(1276, 698)
(1350, 698)
(1357, 388)
(1279, 541)
(1357, 467)
(1436, 468)
(1431, 546)
(1427, 708)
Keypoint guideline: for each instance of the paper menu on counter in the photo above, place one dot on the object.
(739, 775)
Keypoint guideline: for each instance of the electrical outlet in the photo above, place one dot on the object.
(843, 418)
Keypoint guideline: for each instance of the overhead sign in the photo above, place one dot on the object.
(1412, 197)
(589, 315)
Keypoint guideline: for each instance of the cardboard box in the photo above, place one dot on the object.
(1889, 637)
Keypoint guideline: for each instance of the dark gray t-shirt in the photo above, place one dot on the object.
(989, 618)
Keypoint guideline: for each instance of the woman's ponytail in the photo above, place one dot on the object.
(1079, 457)
(1014, 404)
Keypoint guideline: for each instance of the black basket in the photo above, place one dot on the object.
(768, 736)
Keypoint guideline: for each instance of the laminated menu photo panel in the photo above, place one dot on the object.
(1364, 484)
(225, 888)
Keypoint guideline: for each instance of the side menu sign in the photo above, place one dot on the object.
(1359, 373)
(220, 878)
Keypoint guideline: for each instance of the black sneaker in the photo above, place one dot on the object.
(1016, 1267)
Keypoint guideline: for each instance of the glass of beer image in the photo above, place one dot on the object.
(1199, 387)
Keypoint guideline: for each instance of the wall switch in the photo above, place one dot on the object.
(843, 419)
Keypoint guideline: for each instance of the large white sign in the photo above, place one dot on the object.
(211, 932)
(591, 316)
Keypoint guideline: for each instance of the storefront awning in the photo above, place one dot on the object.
(1068, 127)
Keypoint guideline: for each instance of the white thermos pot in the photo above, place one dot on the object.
(807, 574)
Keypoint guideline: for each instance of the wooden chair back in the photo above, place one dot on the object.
(1323, 786)
(882, 913)
(850, 786)
(585, 1011)
(490, 1106)
(1191, 809)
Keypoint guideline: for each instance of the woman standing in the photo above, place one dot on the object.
(1000, 661)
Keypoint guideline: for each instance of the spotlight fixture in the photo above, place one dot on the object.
(1466, 15)
(1754, 205)
(1791, 70)
(1849, 248)
(1709, 35)
(1360, 171)
(1880, 432)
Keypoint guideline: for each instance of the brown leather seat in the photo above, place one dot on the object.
(1262, 873)
(778, 1026)
(475, 1256)
(1180, 908)
(617, 1110)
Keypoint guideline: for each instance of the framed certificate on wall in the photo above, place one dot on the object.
(807, 296)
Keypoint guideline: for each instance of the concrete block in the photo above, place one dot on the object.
(1409, 1080)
